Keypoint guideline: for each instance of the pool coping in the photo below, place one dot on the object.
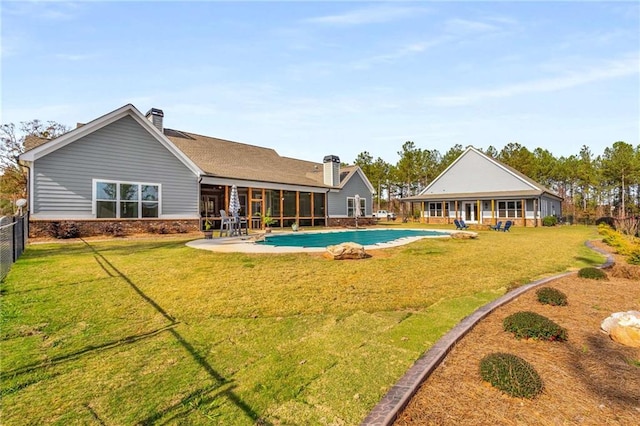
(247, 243)
(386, 412)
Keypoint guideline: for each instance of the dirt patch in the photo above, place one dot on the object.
(589, 380)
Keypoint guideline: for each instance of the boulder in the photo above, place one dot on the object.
(624, 328)
(347, 250)
(464, 235)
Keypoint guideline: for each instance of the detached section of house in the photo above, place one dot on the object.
(481, 190)
(124, 170)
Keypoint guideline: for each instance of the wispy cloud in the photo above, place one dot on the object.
(46, 10)
(623, 67)
(75, 57)
(371, 15)
(401, 52)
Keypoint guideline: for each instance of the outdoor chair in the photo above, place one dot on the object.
(227, 224)
(457, 223)
(463, 225)
(507, 225)
(497, 226)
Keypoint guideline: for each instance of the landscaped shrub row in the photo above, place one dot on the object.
(624, 245)
(511, 374)
(549, 221)
(592, 273)
(530, 325)
(551, 296)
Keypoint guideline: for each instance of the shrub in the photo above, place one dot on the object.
(114, 229)
(606, 220)
(551, 296)
(64, 230)
(549, 221)
(511, 374)
(530, 325)
(592, 273)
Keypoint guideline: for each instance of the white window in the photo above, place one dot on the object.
(351, 202)
(435, 209)
(132, 200)
(509, 209)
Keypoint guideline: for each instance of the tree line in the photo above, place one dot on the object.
(592, 185)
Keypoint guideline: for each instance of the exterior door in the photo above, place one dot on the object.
(470, 212)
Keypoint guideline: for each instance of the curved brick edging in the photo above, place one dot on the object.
(397, 398)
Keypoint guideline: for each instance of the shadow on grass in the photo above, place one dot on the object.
(588, 261)
(108, 266)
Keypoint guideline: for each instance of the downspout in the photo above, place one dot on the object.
(200, 223)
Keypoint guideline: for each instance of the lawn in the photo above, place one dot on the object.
(154, 332)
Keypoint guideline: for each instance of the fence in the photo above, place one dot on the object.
(14, 232)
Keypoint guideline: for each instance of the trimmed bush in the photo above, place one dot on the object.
(529, 325)
(64, 230)
(551, 296)
(592, 273)
(511, 374)
(549, 221)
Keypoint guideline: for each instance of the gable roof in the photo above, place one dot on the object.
(209, 156)
(43, 149)
(475, 174)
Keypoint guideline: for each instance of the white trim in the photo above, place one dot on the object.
(210, 180)
(363, 210)
(363, 177)
(94, 200)
(493, 161)
(105, 120)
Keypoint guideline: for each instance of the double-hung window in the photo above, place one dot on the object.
(435, 209)
(351, 203)
(509, 208)
(126, 200)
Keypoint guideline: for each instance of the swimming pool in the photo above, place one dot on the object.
(365, 237)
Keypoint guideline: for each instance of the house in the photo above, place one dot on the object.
(125, 171)
(481, 190)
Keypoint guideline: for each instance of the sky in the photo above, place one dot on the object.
(310, 79)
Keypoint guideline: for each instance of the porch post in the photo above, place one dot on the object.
(493, 212)
(479, 218)
(524, 212)
(456, 207)
(281, 206)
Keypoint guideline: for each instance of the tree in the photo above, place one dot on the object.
(13, 178)
(620, 167)
(518, 157)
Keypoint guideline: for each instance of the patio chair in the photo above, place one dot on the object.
(497, 226)
(507, 225)
(457, 223)
(227, 224)
(463, 225)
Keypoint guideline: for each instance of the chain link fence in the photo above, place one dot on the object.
(14, 232)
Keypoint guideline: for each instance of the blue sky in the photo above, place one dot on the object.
(315, 78)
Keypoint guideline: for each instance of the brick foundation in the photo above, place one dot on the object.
(110, 227)
(350, 221)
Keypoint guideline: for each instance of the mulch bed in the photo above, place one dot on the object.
(588, 380)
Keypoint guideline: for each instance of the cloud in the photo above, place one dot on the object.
(409, 49)
(372, 15)
(75, 57)
(612, 69)
(45, 10)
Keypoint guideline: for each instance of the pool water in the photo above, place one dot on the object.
(365, 237)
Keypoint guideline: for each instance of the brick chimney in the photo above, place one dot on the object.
(331, 170)
(155, 116)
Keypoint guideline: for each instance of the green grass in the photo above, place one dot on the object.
(154, 332)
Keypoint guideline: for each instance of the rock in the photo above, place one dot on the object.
(347, 250)
(464, 235)
(628, 336)
(623, 327)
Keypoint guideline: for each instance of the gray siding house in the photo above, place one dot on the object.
(482, 191)
(125, 169)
